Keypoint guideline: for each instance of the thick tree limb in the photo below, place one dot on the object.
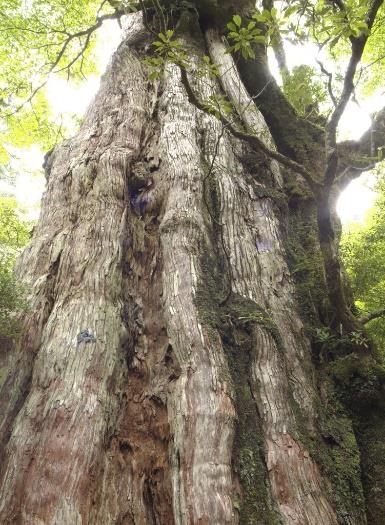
(357, 46)
(357, 156)
(372, 315)
(288, 129)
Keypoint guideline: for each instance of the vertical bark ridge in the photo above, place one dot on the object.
(59, 430)
(260, 274)
(201, 412)
(136, 483)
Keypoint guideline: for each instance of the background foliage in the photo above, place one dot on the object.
(363, 252)
(14, 234)
(43, 38)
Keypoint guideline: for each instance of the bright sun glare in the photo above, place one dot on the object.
(67, 99)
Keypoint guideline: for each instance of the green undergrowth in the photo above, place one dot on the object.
(360, 380)
(12, 300)
(359, 387)
(14, 234)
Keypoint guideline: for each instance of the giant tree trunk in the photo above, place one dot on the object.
(165, 375)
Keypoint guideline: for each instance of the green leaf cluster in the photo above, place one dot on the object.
(219, 105)
(242, 37)
(37, 40)
(341, 23)
(208, 68)
(167, 49)
(373, 68)
(324, 21)
(305, 91)
(332, 26)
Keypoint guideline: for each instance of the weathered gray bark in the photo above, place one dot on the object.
(139, 242)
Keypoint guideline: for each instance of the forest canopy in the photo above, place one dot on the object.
(14, 235)
(58, 37)
(363, 252)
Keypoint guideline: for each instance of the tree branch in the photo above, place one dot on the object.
(145, 19)
(357, 156)
(357, 46)
(87, 33)
(372, 315)
(330, 80)
(255, 142)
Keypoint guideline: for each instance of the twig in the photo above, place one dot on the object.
(357, 45)
(145, 19)
(159, 10)
(70, 37)
(330, 79)
(214, 220)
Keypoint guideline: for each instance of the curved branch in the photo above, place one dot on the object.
(287, 128)
(255, 142)
(357, 156)
(372, 315)
(357, 47)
